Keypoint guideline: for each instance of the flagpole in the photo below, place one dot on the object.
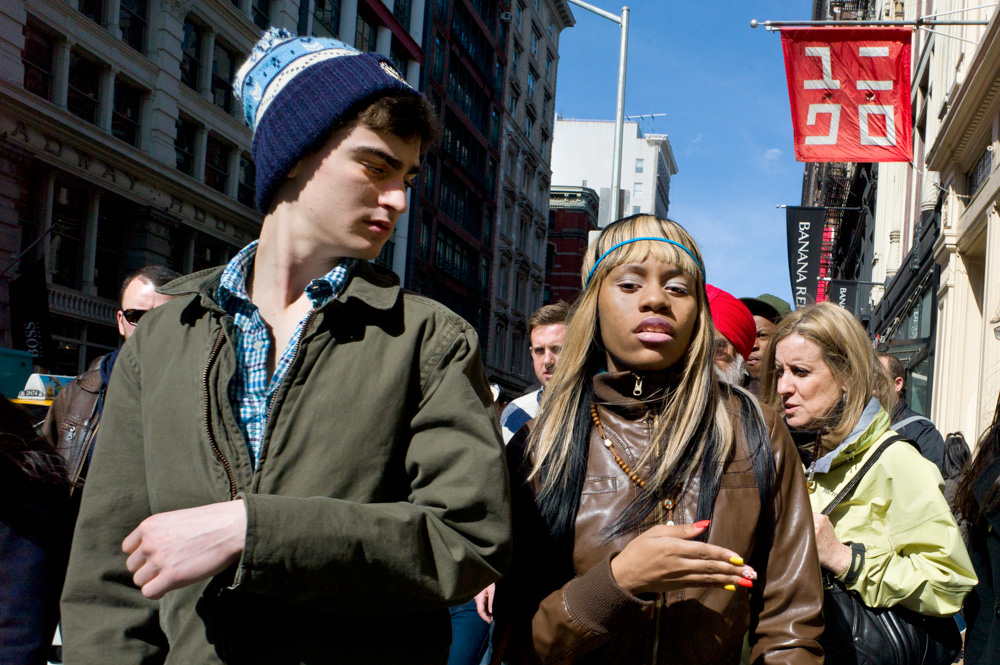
(916, 23)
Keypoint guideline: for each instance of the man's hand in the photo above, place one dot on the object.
(834, 555)
(172, 550)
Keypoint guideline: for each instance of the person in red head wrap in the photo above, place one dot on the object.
(737, 331)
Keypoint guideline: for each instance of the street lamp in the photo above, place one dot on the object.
(616, 173)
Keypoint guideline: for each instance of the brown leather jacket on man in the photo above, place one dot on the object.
(72, 421)
(550, 611)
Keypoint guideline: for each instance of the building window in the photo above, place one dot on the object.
(637, 190)
(512, 103)
(37, 59)
(548, 67)
(529, 125)
(484, 275)
(92, 9)
(84, 78)
(429, 175)
(518, 11)
(638, 165)
(364, 35)
(216, 164)
(248, 181)
(69, 205)
(191, 60)
(500, 345)
(261, 10)
(132, 21)
(398, 61)
(424, 241)
(534, 42)
(583, 183)
(401, 10)
(531, 85)
(438, 57)
(125, 115)
(636, 210)
(326, 18)
(113, 215)
(980, 172)
(187, 132)
(223, 69)
(516, 58)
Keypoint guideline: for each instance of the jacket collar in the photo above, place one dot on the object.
(618, 391)
(376, 288)
(874, 422)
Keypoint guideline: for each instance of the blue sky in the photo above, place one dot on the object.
(722, 86)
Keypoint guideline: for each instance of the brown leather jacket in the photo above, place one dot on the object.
(548, 613)
(72, 421)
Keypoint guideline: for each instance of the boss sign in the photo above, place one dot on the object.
(850, 93)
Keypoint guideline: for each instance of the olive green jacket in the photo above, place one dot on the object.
(379, 500)
(914, 554)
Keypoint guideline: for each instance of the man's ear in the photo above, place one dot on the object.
(899, 383)
(294, 171)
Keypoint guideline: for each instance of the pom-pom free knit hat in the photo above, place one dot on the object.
(732, 319)
(296, 90)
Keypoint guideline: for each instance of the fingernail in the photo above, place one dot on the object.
(745, 582)
(702, 524)
(736, 560)
(730, 587)
(749, 573)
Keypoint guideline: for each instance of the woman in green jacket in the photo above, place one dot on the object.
(893, 540)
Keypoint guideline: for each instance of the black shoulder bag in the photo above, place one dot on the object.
(860, 635)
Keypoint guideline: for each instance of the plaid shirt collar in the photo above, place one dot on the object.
(233, 284)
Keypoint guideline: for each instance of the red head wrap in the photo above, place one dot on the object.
(732, 319)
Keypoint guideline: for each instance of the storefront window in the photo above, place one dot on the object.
(69, 206)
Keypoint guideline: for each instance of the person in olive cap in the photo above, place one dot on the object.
(298, 461)
(767, 312)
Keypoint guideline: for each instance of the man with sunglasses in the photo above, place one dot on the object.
(72, 421)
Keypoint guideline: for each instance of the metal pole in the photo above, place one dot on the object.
(774, 25)
(616, 174)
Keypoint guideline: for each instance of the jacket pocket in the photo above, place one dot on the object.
(600, 485)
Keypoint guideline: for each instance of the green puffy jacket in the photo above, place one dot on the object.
(380, 497)
(914, 552)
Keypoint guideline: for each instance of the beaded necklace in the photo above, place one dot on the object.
(667, 504)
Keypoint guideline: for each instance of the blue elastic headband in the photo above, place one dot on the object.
(676, 244)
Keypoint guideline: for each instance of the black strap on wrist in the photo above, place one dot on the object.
(857, 562)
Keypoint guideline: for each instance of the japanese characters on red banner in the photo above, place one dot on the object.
(850, 93)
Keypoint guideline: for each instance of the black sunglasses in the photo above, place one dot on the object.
(133, 315)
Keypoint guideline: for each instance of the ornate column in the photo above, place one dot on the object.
(60, 73)
(348, 21)
(200, 146)
(106, 98)
(207, 54)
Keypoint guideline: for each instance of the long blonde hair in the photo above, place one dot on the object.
(693, 426)
(849, 354)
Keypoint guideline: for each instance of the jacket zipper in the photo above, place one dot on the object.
(270, 404)
(208, 417)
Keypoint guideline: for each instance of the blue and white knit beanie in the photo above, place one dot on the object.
(296, 90)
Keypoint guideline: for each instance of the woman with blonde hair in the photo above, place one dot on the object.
(891, 540)
(658, 513)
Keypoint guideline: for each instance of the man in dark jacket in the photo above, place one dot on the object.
(909, 423)
(72, 421)
(301, 462)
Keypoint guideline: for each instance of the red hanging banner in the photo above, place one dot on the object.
(850, 93)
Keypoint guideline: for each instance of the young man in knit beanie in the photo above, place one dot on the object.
(296, 457)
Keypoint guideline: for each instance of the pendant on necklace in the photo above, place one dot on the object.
(811, 486)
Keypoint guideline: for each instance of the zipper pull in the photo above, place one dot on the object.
(637, 391)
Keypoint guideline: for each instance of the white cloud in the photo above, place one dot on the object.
(773, 153)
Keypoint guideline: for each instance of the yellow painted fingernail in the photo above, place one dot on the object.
(730, 587)
(736, 561)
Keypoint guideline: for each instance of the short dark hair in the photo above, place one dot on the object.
(896, 369)
(408, 116)
(152, 274)
(557, 312)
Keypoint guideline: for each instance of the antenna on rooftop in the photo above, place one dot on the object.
(650, 118)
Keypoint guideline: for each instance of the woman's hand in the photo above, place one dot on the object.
(484, 603)
(665, 558)
(834, 555)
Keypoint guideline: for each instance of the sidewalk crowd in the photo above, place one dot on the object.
(293, 460)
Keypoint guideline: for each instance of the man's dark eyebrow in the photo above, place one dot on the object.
(370, 151)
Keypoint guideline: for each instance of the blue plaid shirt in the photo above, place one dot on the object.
(250, 392)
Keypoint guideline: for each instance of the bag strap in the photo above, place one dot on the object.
(869, 463)
(912, 419)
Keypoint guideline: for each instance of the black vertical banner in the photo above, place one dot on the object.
(805, 241)
(29, 313)
(844, 293)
